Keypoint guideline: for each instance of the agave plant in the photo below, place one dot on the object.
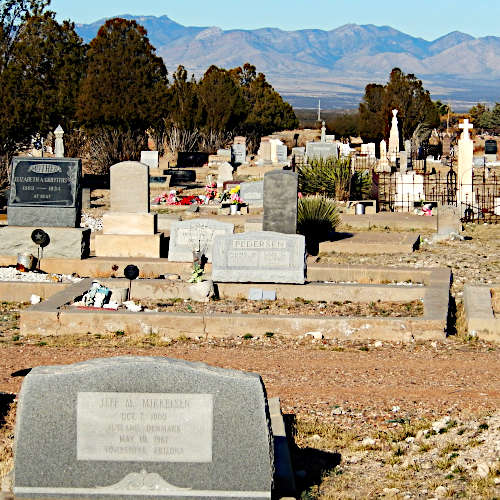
(317, 218)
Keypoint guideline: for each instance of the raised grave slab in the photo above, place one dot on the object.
(372, 243)
(137, 427)
(195, 235)
(259, 257)
(45, 192)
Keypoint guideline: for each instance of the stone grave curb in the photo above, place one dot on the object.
(47, 318)
(479, 312)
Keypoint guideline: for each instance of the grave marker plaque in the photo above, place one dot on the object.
(138, 427)
(45, 192)
(259, 257)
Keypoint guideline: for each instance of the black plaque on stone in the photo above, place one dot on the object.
(490, 147)
(45, 192)
(191, 159)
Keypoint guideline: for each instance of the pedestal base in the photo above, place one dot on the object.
(65, 242)
(131, 245)
(129, 224)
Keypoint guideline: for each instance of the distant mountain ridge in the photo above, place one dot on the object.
(334, 65)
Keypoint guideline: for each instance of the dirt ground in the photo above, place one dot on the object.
(369, 419)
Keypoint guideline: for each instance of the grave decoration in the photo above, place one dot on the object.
(41, 239)
(139, 427)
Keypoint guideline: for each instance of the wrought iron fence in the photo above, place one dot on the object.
(480, 203)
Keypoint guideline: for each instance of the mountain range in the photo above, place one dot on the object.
(334, 66)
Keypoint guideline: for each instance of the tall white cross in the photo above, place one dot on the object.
(465, 126)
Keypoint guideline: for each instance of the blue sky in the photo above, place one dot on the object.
(428, 19)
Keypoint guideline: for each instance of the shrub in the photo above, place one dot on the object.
(317, 217)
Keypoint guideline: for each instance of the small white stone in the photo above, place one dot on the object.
(483, 470)
(35, 299)
(337, 411)
(368, 442)
(395, 409)
(316, 437)
(378, 343)
(314, 335)
(441, 492)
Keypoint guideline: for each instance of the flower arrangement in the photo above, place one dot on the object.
(172, 198)
(234, 195)
(211, 191)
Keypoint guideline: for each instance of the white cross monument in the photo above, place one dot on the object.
(465, 172)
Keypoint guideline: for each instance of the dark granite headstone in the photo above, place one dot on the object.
(490, 147)
(191, 159)
(280, 201)
(180, 176)
(142, 428)
(45, 192)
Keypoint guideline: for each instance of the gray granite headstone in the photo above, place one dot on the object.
(448, 220)
(150, 158)
(281, 153)
(193, 235)
(321, 150)
(252, 193)
(142, 428)
(280, 201)
(239, 154)
(45, 192)
(259, 257)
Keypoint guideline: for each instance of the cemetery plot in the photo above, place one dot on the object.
(299, 306)
(367, 318)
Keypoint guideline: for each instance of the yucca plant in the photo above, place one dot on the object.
(317, 218)
(329, 177)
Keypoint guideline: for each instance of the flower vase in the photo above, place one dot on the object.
(234, 208)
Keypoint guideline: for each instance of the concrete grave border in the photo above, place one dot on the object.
(479, 311)
(51, 318)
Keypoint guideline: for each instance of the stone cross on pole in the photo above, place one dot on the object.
(465, 126)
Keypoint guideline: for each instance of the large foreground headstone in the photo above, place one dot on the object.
(195, 235)
(45, 192)
(133, 427)
(280, 201)
(259, 257)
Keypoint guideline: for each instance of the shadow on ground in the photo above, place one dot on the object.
(310, 464)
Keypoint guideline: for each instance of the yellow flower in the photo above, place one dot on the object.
(235, 190)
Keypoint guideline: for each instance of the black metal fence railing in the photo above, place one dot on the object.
(480, 201)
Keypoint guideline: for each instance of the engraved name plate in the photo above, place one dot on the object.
(144, 427)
